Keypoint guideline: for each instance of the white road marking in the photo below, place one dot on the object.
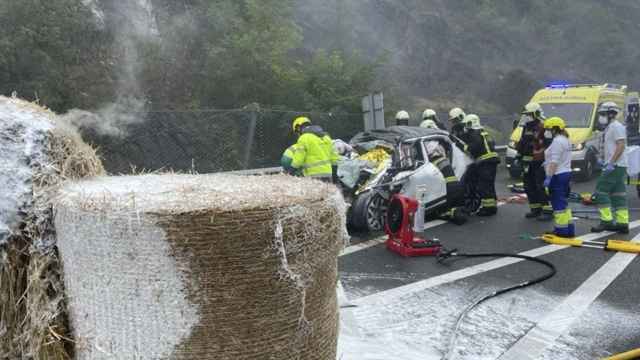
(558, 322)
(392, 295)
(381, 240)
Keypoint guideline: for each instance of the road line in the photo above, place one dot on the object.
(558, 322)
(381, 240)
(392, 295)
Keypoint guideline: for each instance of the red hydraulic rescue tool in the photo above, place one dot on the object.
(402, 225)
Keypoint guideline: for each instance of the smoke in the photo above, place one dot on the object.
(133, 24)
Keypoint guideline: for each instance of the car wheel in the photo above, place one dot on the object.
(368, 212)
(376, 213)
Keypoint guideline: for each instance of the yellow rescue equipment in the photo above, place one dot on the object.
(609, 245)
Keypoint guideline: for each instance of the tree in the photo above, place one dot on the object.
(53, 51)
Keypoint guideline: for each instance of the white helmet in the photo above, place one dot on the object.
(456, 115)
(429, 114)
(429, 124)
(402, 115)
(534, 109)
(473, 121)
(609, 107)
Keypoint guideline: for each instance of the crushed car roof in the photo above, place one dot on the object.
(394, 134)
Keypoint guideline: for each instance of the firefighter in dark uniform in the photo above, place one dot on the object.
(531, 155)
(455, 190)
(482, 148)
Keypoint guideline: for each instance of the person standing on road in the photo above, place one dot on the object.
(479, 144)
(558, 176)
(531, 154)
(611, 190)
(314, 154)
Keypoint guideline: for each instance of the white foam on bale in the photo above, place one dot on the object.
(127, 298)
(126, 293)
(23, 130)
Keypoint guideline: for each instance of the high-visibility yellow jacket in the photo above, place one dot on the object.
(287, 160)
(314, 153)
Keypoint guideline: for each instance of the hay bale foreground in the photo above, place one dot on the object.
(37, 154)
(201, 267)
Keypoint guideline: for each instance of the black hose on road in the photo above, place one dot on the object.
(445, 255)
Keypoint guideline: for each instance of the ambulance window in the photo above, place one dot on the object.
(575, 115)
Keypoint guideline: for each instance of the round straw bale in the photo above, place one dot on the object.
(38, 152)
(201, 267)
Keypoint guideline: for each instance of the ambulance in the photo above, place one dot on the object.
(578, 106)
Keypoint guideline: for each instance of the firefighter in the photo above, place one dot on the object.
(456, 118)
(558, 176)
(314, 154)
(402, 118)
(429, 124)
(473, 121)
(455, 191)
(431, 115)
(531, 149)
(481, 147)
(611, 190)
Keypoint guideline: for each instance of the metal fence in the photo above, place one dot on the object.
(211, 140)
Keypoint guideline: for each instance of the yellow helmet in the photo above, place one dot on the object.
(300, 121)
(554, 122)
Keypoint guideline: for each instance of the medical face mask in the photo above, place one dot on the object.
(603, 120)
(548, 134)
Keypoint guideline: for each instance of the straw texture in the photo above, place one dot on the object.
(39, 154)
(202, 267)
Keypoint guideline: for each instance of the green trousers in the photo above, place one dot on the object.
(611, 197)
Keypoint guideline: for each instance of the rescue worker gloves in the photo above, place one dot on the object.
(298, 122)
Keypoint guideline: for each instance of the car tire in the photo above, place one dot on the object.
(368, 212)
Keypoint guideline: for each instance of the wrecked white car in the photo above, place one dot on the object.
(397, 160)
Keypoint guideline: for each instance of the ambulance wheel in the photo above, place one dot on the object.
(589, 169)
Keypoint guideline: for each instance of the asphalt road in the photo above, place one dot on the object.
(603, 315)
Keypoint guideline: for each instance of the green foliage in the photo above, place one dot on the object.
(334, 80)
(51, 50)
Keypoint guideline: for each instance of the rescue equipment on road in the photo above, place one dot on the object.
(609, 245)
(402, 225)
